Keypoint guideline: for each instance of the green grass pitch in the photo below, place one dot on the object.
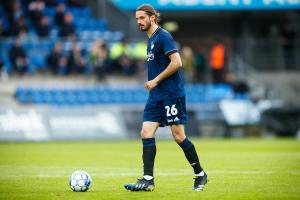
(237, 169)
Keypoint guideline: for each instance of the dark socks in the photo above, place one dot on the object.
(149, 152)
(191, 155)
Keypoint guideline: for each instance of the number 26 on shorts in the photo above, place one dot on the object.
(171, 111)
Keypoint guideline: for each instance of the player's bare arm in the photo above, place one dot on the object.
(174, 65)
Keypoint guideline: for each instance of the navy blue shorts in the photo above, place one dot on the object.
(167, 112)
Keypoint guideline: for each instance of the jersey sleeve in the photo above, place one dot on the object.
(168, 44)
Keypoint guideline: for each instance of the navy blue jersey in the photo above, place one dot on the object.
(160, 46)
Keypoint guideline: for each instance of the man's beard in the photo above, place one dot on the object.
(145, 28)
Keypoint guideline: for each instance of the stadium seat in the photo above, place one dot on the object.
(49, 11)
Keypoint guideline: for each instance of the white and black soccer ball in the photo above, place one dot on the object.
(80, 181)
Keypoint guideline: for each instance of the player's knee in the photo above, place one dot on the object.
(145, 133)
(178, 140)
(178, 137)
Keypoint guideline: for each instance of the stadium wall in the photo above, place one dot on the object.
(78, 123)
(37, 124)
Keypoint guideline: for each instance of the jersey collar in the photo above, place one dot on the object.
(154, 32)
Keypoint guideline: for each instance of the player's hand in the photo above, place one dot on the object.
(149, 85)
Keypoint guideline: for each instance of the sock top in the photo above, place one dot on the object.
(148, 142)
(148, 177)
(186, 144)
(200, 174)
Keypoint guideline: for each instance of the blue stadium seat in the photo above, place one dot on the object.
(7, 64)
(241, 96)
(49, 11)
(140, 96)
(82, 96)
(7, 44)
(128, 96)
(23, 99)
(108, 36)
(101, 24)
(84, 35)
(67, 46)
(80, 12)
(218, 92)
(36, 96)
(59, 98)
(86, 12)
(61, 1)
(24, 95)
(48, 96)
(53, 33)
(37, 61)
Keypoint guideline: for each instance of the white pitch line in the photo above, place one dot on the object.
(117, 173)
(58, 172)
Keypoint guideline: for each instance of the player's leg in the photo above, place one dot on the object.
(149, 151)
(176, 117)
(149, 147)
(191, 155)
(187, 147)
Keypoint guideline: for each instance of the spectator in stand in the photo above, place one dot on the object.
(59, 15)
(217, 61)
(20, 27)
(140, 58)
(13, 11)
(188, 61)
(200, 64)
(35, 9)
(51, 2)
(43, 27)
(288, 36)
(120, 55)
(1, 64)
(126, 64)
(3, 73)
(98, 58)
(57, 61)
(67, 29)
(77, 62)
(3, 29)
(18, 58)
(25, 3)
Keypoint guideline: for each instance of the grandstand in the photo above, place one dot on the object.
(88, 29)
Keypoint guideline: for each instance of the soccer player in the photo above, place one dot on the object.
(166, 103)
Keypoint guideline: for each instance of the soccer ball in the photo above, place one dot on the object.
(80, 181)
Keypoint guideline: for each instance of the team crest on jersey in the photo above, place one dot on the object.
(150, 55)
(152, 45)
